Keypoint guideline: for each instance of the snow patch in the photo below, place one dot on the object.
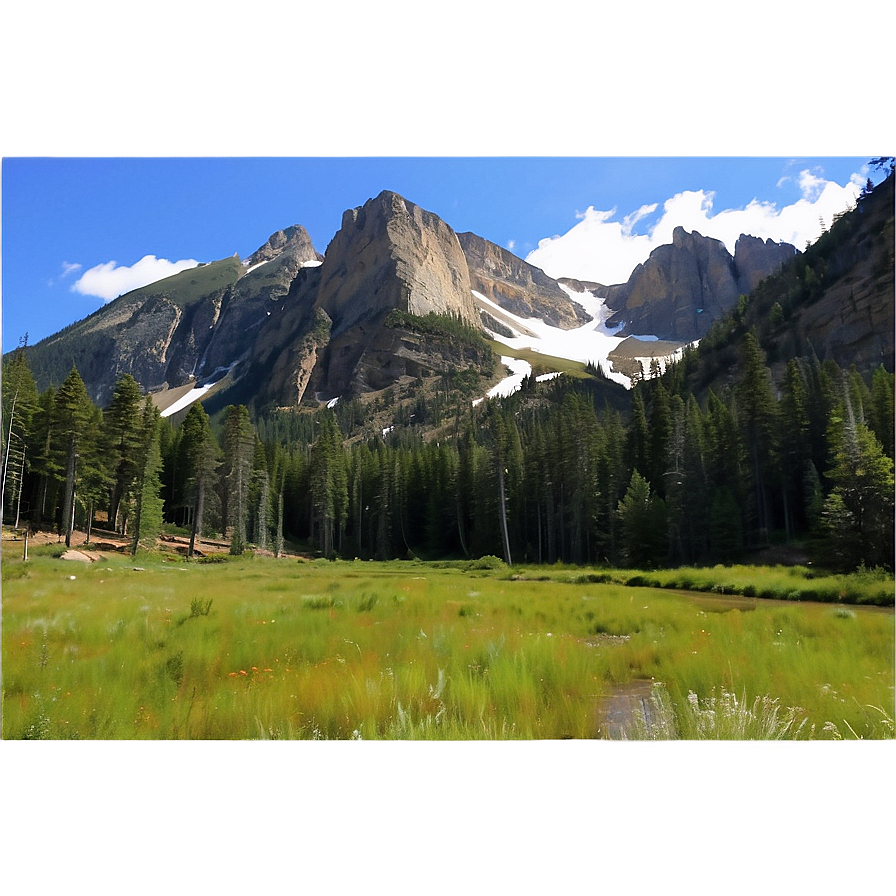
(255, 267)
(333, 402)
(186, 400)
(592, 341)
(519, 371)
(198, 391)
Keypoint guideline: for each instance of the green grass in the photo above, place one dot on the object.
(788, 583)
(261, 648)
(542, 363)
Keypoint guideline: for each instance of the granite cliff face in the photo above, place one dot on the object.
(390, 253)
(517, 286)
(685, 285)
(332, 334)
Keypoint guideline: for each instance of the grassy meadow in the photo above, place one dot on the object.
(161, 648)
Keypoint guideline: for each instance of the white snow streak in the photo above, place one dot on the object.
(186, 400)
(196, 393)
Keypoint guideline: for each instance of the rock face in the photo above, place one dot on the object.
(684, 286)
(755, 259)
(294, 241)
(157, 333)
(390, 253)
(268, 274)
(852, 321)
(332, 335)
(521, 288)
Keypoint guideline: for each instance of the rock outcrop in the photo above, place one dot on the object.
(687, 284)
(268, 275)
(293, 240)
(518, 286)
(755, 259)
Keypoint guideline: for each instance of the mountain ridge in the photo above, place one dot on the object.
(299, 326)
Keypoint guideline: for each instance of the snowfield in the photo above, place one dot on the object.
(591, 342)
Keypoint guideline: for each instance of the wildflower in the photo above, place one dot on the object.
(243, 672)
(231, 674)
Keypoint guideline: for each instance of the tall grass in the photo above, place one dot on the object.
(258, 647)
(873, 587)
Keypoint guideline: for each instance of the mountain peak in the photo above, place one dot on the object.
(293, 239)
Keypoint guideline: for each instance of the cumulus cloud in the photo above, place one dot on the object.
(109, 280)
(605, 250)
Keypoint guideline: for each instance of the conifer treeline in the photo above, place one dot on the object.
(541, 476)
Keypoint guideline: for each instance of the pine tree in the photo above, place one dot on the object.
(19, 404)
(643, 516)
(858, 514)
(200, 458)
(239, 445)
(146, 495)
(328, 485)
(757, 416)
(122, 423)
(880, 413)
(72, 414)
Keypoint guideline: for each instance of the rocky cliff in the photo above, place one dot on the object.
(390, 253)
(266, 279)
(332, 334)
(521, 288)
(685, 285)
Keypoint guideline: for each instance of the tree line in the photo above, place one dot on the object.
(549, 474)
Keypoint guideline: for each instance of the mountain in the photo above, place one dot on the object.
(687, 284)
(400, 299)
(289, 324)
(157, 333)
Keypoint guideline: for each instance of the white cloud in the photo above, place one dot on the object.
(607, 251)
(68, 269)
(511, 245)
(109, 280)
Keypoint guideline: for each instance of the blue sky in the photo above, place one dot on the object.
(518, 127)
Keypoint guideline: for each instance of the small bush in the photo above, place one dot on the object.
(489, 561)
